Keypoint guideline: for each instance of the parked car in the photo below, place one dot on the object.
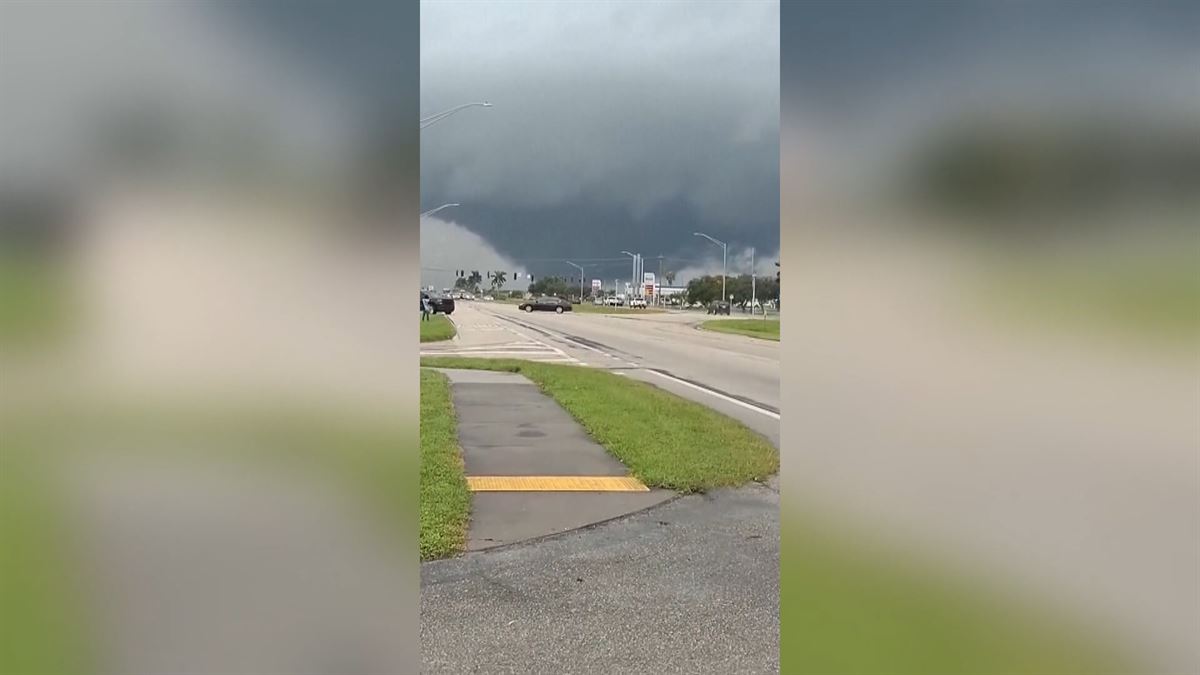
(442, 304)
(598, 301)
(614, 301)
(545, 304)
(719, 307)
(488, 298)
(638, 303)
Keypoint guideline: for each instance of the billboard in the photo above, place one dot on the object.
(648, 278)
(596, 284)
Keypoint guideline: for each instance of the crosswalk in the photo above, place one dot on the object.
(488, 339)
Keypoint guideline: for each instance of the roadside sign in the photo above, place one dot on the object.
(648, 278)
(596, 284)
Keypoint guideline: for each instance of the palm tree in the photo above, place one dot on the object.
(475, 279)
(498, 279)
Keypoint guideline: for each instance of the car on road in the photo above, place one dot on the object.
(442, 304)
(545, 304)
(719, 307)
(638, 303)
(613, 301)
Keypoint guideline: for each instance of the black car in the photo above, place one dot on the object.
(439, 304)
(719, 307)
(546, 304)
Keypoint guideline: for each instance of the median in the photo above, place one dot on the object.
(763, 329)
(439, 327)
(445, 501)
(665, 441)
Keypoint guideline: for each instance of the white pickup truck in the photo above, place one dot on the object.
(638, 302)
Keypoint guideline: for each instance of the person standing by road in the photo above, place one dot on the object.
(426, 308)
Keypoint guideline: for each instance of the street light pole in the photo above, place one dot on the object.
(635, 262)
(438, 117)
(580, 267)
(658, 298)
(724, 256)
(753, 294)
(430, 212)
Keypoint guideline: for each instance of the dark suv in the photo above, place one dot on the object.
(440, 305)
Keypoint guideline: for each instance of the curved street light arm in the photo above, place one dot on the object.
(437, 117)
(430, 212)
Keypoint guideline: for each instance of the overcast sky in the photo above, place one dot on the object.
(615, 125)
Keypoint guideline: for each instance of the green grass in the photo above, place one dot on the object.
(43, 614)
(437, 328)
(34, 301)
(444, 498)
(589, 308)
(1147, 298)
(847, 609)
(40, 631)
(764, 329)
(665, 440)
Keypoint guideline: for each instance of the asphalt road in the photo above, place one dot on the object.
(691, 586)
(734, 374)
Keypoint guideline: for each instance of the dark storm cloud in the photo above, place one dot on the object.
(615, 125)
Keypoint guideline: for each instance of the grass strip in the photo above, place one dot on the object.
(849, 608)
(40, 627)
(589, 308)
(44, 623)
(444, 497)
(36, 307)
(437, 328)
(764, 329)
(665, 440)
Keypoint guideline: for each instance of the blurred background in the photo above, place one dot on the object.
(207, 212)
(992, 446)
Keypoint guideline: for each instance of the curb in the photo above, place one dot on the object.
(556, 535)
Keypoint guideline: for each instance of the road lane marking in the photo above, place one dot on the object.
(555, 484)
(575, 342)
(692, 385)
(717, 394)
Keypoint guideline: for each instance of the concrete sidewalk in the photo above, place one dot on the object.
(689, 587)
(508, 427)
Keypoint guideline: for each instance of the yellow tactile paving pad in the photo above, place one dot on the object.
(555, 484)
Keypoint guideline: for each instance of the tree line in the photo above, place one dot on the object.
(707, 288)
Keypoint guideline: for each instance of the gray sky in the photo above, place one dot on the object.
(616, 125)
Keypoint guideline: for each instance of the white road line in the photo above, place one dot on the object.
(684, 382)
(710, 392)
(536, 341)
(573, 344)
(490, 352)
